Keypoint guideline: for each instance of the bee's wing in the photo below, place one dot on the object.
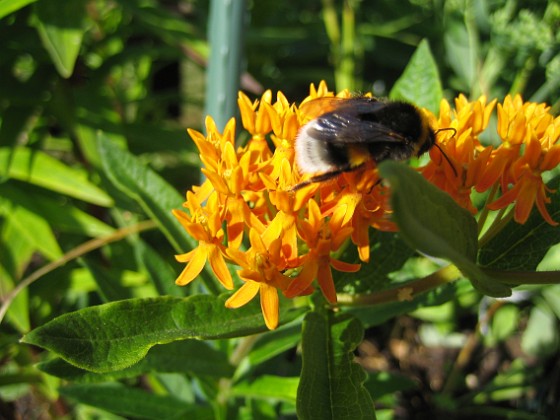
(350, 128)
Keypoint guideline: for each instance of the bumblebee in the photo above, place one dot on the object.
(347, 133)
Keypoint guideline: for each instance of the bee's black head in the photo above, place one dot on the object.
(411, 123)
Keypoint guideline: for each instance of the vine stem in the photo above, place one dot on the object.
(72, 255)
(405, 292)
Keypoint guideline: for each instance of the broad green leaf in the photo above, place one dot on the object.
(116, 335)
(156, 196)
(331, 384)
(268, 387)
(420, 83)
(134, 403)
(61, 30)
(187, 356)
(10, 6)
(34, 228)
(522, 247)
(431, 222)
(40, 169)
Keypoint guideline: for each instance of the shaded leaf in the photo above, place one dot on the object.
(135, 403)
(187, 356)
(331, 384)
(441, 229)
(522, 247)
(156, 196)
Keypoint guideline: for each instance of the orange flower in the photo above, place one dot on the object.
(246, 212)
(261, 270)
(322, 237)
(204, 224)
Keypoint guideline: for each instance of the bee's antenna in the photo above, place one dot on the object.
(441, 150)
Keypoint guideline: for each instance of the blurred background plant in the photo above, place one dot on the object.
(136, 70)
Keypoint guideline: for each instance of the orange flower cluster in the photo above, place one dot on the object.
(528, 147)
(247, 214)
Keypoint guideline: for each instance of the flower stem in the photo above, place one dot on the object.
(499, 222)
(485, 211)
(407, 291)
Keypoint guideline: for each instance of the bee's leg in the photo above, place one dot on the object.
(325, 177)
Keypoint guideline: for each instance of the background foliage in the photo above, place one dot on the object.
(95, 97)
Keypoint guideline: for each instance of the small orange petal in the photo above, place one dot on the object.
(326, 283)
(303, 280)
(344, 266)
(269, 305)
(219, 267)
(245, 293)
(194, 267)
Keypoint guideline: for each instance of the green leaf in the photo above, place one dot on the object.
(109, 282)
(385, 246)
(331, 384)
(541, 337)
(40, 169)
(60, 215)
(268, 387)
(61, 30)
(522, 247)
(505, 322)
(33, 227)
(462, 57)
(116, 335)
(10, 6)
(274, 343)
(159, 271)
(134, 403)
(431, 222)
(188, 356)
(420, 83)
(156, 196)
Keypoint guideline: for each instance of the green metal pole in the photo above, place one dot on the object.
(225, 35)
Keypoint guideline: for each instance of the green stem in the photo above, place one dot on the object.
(345, 72)
(499, 223)
(517, 278)
(485, 211)
(405, 292)
(523, 76)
